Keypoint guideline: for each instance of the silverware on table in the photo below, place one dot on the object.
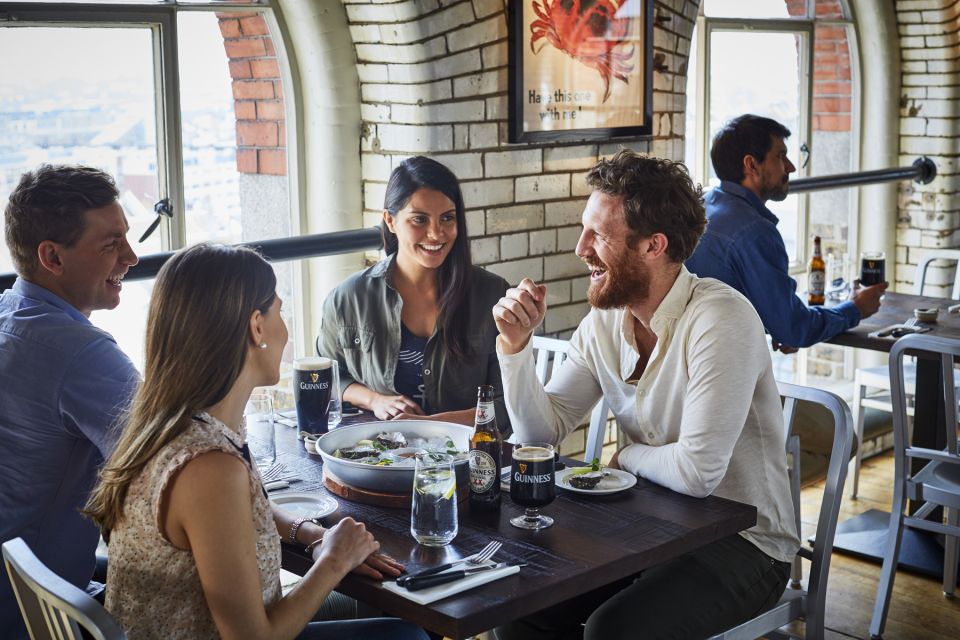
(424, 582)
(478, 558)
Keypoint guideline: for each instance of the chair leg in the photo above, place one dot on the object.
(950, 548)
(890, 557)
(858, 417)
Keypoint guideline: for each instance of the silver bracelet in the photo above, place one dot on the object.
(295, 527)
(309, 548)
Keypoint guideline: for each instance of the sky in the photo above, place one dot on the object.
(82, 59)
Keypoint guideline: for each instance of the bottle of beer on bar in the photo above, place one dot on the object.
(818, 275)
(485, 447)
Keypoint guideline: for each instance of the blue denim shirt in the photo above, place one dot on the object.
(743, 248)
(63, 385)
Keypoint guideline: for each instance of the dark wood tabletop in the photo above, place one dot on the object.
(595, 540)
(897, 308)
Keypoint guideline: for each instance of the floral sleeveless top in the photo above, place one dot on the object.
(153, 588)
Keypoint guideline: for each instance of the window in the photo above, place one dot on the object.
(791, 60)
(185, 107)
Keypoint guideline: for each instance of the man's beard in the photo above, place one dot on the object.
(623, 284)
(778, 192)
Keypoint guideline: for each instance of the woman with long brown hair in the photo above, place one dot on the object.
(194, 542)
(413, 334)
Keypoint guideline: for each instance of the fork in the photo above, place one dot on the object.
(906, 328)
(274, 472)
(476, 559)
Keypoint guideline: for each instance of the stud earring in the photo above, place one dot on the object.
(263, 345)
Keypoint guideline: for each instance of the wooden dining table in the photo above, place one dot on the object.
(865, 534)
(595, 540)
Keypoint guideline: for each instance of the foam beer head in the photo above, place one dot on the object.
(312, 363)
(312, 385)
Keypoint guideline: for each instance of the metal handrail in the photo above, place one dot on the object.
(276, 250)
(923, 170)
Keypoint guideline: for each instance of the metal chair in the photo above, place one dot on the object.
(866, 378)
(809, 604)
(937, 484)
(544, 348)
(53, 608)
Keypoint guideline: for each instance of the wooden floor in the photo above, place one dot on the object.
(918, 609)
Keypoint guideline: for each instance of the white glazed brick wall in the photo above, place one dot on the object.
(929, 215)
(433, 78)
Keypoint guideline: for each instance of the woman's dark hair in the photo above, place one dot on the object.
(454, 277)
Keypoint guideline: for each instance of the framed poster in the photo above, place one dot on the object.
(580, 69)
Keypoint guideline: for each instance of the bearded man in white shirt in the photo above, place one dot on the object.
(683, 364)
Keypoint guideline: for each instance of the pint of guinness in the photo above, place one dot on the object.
(314, 381)
(532, 483)
(873, 268)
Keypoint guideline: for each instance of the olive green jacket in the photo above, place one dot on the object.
(361, 329)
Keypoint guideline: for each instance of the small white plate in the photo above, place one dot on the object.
(305, 505)
(615, 482)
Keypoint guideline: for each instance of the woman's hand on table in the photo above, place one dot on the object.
(345, 546)
(380, 567)
(389, 407)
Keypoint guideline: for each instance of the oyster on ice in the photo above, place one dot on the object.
(391, 440)
(358, 452)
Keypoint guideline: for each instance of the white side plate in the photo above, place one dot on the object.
(305, 505)
(615, 482)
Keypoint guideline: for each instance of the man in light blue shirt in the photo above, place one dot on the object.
(64, 383)
(743, 248)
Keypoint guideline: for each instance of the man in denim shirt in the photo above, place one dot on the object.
(743, 248)
(63, 382)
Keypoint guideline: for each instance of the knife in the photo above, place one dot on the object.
(402, 580)
(423, 582)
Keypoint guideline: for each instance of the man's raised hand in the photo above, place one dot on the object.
(518, 313)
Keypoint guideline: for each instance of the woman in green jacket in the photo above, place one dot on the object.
(414, 334)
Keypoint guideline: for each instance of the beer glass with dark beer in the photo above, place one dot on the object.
(873, 268)
(532, 483)
(315, 381)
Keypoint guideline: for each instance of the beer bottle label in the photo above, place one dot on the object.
(817, 280)
(483, 471)
(485, 413)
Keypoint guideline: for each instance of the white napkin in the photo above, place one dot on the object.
(432, 594)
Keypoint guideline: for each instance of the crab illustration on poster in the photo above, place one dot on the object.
(593, 32)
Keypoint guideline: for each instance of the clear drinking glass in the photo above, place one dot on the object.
(838, 276)
(532, 483)
(258, 415)
(335, 413)
(433, 512)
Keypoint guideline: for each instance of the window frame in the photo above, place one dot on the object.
(161, 19)
(803, 27)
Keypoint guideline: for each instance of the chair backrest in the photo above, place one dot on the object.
(952, 255)
(945, 350)
(52, 607)
(832, 494)
(550, 354)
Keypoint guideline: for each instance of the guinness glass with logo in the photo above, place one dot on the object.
(532, 483)
(315, 380)
(873, 268)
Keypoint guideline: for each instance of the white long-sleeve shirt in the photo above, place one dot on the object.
(705, 416)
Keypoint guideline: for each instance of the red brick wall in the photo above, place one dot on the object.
(832, 88)
(257, 94)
